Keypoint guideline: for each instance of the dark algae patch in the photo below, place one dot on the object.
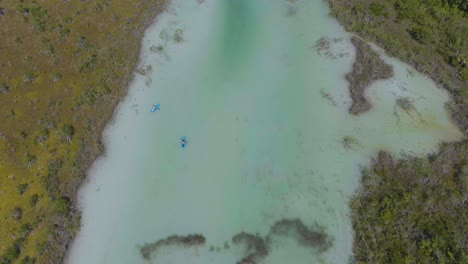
(64, 66)
(406, 105)
(256, 247)
(314, 237)
(174, 241)
(367, 68)
(414, 210)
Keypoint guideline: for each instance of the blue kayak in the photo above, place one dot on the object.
(183, 142)
(156, 107)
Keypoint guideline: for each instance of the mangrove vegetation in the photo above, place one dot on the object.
(414, 209)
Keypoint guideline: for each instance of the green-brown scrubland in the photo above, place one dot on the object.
(414, 210)
(64, 65)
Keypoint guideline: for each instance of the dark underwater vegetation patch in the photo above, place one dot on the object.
(256, 247)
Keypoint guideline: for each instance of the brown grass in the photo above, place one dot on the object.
(63, 64)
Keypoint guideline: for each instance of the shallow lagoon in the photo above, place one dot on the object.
(265, 115)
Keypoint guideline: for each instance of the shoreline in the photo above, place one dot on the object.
(88, 156)
(67, 65)
(397, 187)
(444, 79)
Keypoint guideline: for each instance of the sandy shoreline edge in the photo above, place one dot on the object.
(86, 157)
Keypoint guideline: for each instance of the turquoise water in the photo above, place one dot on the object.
(265, 116)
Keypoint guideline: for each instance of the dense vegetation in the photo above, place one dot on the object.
(64, 65)
(428, 34)
(367, 68)
(414, 210)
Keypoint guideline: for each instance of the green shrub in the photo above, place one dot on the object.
(376, 9)
(90, 95)
(411, 209)
(22, 9)
(67, 20)
(11, 253)
(50, 180)
(23, 135)
(18, 40)
(38, 14)
(88, 64)
(64, 32)
(25, 229)
(27, 260)
(67, 132)
(97, 8)
(43, 136)
(460, 4)
(30, 159)
(30, 77)
(83, 43)
(420, 34)
(464, 74)
(17, 213)
(63, 205)
(33, 199)
(22, 188)
(102, 89)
